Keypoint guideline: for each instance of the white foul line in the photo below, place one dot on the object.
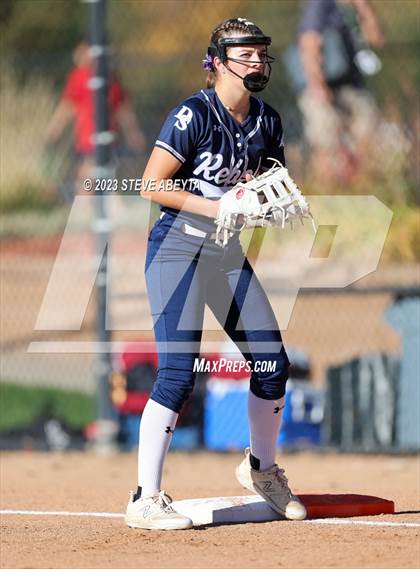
(39, 513)
(330, 521)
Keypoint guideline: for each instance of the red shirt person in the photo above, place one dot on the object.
(77, 105)
(78, 94)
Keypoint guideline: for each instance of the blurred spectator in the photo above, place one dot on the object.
(77, 105)
(340, 115)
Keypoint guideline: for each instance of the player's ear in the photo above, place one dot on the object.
(218, 65)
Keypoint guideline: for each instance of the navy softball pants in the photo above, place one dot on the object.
(183, 274)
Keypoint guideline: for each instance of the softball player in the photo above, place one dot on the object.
(211, 141)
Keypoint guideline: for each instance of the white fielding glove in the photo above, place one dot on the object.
(236, 207)
(270, 199)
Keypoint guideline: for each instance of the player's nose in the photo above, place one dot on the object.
(258, 60)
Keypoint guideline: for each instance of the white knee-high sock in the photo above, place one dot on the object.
(156, 427)
(264, 425)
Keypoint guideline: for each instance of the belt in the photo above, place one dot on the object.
(193, 231)
(190, 230)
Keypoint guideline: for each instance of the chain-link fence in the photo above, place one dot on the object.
(157, 48)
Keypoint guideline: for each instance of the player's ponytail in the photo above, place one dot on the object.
(210, 80)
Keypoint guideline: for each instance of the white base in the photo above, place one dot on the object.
(227, 509)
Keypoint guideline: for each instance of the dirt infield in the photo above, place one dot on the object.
(87, 483)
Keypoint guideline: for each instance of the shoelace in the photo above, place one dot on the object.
(164, 501)
(282, 478)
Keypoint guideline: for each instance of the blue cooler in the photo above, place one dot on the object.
(226, 415)
(302, 416)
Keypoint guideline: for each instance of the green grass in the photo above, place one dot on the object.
(21, 405)
(35, 223)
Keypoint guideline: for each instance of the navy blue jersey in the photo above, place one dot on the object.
(215, 150)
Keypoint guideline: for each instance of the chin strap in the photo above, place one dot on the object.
(254, 82)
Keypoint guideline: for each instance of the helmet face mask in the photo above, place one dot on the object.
(256, 81)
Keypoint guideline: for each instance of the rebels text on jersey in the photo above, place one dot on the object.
(215, 150)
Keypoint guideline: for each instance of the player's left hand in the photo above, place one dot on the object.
(236, 208)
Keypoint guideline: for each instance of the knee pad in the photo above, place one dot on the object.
(269, 377)
(173, 389)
